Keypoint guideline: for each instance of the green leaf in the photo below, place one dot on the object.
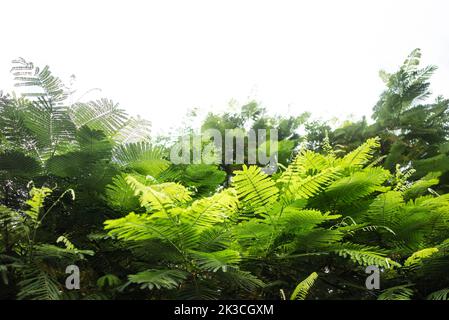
(153, 278)
(255, 188)
(214, 261)
(302, 289)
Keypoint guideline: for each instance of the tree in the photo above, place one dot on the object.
(413, 133)
(252, 116)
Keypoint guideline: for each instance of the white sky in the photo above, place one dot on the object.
(160, 58)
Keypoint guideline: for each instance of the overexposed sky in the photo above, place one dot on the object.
(161, 58)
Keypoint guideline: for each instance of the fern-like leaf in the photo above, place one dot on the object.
(402, 292)
(255, 188)
(153, 278)
(302, 289)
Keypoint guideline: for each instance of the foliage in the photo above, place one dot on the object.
(86, 175)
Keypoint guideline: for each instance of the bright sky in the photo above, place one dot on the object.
(161, 58)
